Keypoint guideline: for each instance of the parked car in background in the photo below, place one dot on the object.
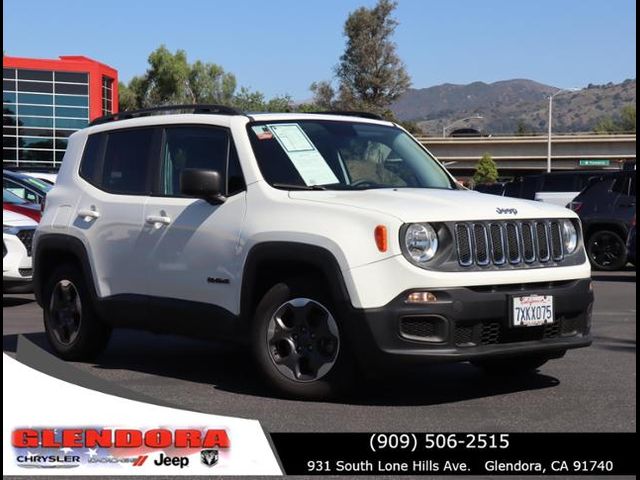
(17, 235)
(14, 203)
(607, 208)
(491, 188)
(28, 188)
(47, 177)
(631, 242)
(558, 188)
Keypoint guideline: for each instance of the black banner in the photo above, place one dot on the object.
(456, 453)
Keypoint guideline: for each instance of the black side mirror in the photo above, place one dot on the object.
(205, 184)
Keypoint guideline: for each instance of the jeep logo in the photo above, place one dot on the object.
(506, 211)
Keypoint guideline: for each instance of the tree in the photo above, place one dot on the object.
(626, 122)
(171, 79)
(605, 125)
(209, 83)
(370, 73)
(254, 101)
(628, 119)
(127, 98)
(323, 95)
(167, 79)
(486, 170)
(523, 128)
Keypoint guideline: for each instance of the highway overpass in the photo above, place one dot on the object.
(516, 155)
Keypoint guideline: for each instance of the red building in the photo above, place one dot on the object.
(44, 101)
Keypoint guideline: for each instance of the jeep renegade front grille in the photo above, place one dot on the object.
(508, 242)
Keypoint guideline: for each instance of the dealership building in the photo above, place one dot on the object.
(45, 101)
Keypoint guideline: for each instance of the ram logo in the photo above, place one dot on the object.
(209, 457)
(506, 211)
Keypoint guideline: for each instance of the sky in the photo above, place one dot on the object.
(282, 46)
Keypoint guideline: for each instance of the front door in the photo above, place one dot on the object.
(189, 246)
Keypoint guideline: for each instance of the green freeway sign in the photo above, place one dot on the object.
(594, 162)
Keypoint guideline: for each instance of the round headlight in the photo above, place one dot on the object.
(421, 242)
(569, 236)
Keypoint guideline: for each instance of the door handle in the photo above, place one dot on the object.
(88, 214)
(158, 220)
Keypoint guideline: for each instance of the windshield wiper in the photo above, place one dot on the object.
(289, 186)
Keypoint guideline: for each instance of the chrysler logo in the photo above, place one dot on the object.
(506, 211)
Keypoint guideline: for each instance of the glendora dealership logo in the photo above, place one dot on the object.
(72, 447)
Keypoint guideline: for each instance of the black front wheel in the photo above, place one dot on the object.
(298, 343)
(607, 250)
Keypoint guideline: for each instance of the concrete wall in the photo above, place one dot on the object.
(529, 153)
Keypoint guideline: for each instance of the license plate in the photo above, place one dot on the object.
(532, 310)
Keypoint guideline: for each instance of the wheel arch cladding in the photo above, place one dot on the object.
(270, 262)
(614, 226)
(52, 250)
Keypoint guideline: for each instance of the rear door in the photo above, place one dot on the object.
(117, 166)
(624, 206)
(189, 247)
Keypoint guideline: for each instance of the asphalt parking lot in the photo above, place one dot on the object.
(590, 389)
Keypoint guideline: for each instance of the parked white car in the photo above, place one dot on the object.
(324, 241)
(17, 237)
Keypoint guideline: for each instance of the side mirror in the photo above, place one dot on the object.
(204, 184)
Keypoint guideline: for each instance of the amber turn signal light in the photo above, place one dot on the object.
(421, 297)
(380, 234)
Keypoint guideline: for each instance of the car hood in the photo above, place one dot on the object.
(13, 219)
(436, 205)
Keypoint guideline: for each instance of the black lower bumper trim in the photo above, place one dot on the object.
(471, 323)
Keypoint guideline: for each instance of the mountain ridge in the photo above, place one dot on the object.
(507, 106)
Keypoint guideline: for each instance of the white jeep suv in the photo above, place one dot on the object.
(324, 241)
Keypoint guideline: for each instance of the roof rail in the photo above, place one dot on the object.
(145, 112)
(350, 113)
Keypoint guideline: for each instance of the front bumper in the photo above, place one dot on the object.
(16, 263)
(469, 323)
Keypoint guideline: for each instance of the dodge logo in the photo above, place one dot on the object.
(505, 211)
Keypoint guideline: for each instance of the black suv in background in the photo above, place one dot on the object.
(607, 208)
(552, 187)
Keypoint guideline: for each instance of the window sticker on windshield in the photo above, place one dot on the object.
(292, 138)
(262, 132)
(311, 165)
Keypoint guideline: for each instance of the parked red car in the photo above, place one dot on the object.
(12, 202)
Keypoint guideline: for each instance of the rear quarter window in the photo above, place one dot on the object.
(119, 161)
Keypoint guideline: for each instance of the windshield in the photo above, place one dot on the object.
(323, 154)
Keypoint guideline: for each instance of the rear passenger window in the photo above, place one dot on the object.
(192, 147)
(621, 185)
(119, 161)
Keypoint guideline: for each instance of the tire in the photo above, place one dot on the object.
(295, 330)
(607, 250)
(72, 325)
(512, 365)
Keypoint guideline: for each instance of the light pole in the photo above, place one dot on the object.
(563, 90)
(446, 127)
